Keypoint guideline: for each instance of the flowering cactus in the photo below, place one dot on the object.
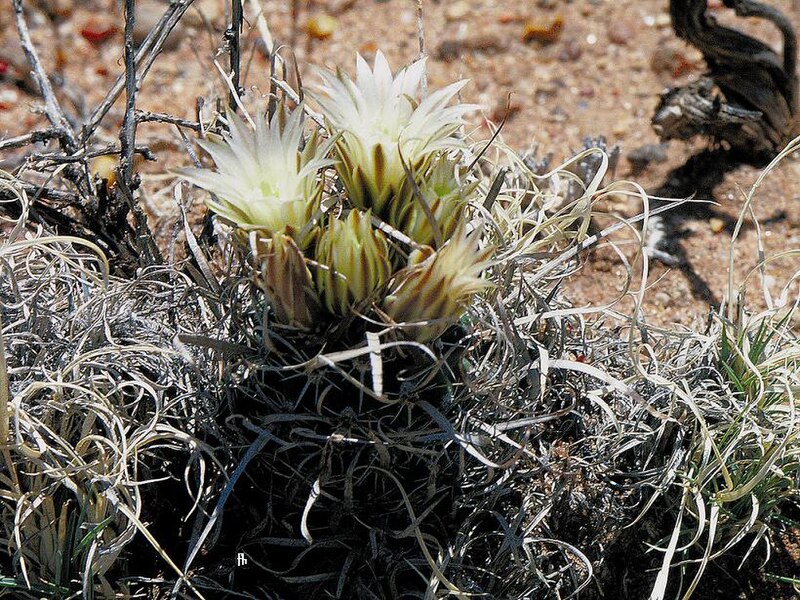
(268, 185)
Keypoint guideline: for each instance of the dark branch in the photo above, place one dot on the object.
(34, 137)
(55, 114)
(127, 136)
(234, 44)
(145, 56)
(143, 116)
(748, 98)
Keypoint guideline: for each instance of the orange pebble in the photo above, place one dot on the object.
(544, 31)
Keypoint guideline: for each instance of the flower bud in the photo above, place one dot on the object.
(437, 286)
(353, 262)
(446, 198)
(286, 281)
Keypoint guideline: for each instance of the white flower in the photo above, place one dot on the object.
(381, 122)
(263, 181)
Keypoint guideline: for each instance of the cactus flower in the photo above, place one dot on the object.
(381, 123)
(263, 180)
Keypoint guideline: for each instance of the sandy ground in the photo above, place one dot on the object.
(587, 67)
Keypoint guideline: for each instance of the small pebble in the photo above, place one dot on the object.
(672, 58)
(620, 129)
(98, 29)
(570, 51)
(620, 33)
(663, 20)
(457, 10)
(545, 31)
(451, 49)
(321, 26)
(9, 98)
(716, 224)
(506, 18)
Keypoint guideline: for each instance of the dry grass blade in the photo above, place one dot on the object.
(89, 437)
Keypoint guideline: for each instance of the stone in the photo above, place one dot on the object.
(457, 10)
(98, 29)
(545, 31)
(321, 26)
(620, 33)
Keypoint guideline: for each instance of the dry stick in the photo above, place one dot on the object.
(127, 135)
(126, 183)
(143, 116)
(52, 107)
(421, 37)
(52, 215)
(145, 56)
(233, 37)
(34, 137)
(59, 158)
(36, 192)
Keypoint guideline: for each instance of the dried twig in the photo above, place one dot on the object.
(53, 109)
(143, 116)
(127, 135)
(145, 56)
(34, 137)
(233, 37)
(58, 158)
(422, 53)
(748, 98)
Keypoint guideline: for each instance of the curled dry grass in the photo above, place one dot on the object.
(735, 405)
(100, 411)
(503, 460)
